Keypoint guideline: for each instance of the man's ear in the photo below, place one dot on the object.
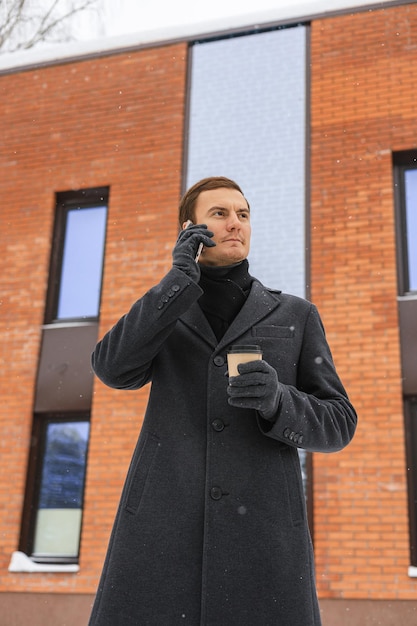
(186, 224)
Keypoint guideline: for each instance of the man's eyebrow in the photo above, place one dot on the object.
(225, 208)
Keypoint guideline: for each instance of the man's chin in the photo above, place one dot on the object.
(222, 262)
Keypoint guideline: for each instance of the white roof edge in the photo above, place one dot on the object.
(73, 49)
(76, 50)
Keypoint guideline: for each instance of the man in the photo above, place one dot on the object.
(211, 527)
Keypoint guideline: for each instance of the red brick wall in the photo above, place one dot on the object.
(118, 121)
(114, 121)
(363, 95)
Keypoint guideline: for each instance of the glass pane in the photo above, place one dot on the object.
(272, 63)
(58, 520)
(411, 414)
(82, 264)
(411, 226)
(302, 455)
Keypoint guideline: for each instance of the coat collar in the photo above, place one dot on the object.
(259, 303)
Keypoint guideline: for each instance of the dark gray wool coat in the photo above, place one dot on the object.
(211, 529)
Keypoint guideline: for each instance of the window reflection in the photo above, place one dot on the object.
(58, 520)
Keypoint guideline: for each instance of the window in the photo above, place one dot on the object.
(405, 180)
(411, 445)
(272, 62)
(58, 464)
(52, 514)
(405, 174)
(76, 265)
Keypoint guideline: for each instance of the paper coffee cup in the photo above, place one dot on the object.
(241, 354)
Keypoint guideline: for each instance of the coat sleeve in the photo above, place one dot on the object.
(316, 414)
(123, 358)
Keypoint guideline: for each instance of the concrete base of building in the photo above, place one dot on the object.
(368, 612)
(45, 609)
(57, 609)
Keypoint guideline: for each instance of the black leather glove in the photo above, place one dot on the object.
(257, 387)
(185, 250)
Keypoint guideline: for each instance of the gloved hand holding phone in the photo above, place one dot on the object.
(187, 248)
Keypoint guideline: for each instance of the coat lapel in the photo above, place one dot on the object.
(195, 319)
(260, 302)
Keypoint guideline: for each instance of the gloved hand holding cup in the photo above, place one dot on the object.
(253, 383)
(241, 354)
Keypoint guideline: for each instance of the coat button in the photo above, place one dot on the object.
(218, 360)
(216, 493)
(287, 432)
(217, 425)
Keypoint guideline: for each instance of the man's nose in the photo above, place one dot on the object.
(233, 221)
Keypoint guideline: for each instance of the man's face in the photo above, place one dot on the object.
(226, 213)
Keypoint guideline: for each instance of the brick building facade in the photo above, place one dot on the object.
(118, 119)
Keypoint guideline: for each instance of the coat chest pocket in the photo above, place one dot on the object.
(283, 332)
(140, 471)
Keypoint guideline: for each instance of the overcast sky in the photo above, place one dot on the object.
(135, 16)
(129, 16)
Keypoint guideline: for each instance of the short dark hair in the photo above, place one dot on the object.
(187, 202)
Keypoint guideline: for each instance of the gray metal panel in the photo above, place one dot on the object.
(65, 377)
(407, 308)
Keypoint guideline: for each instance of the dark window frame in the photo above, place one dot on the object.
(65, 202)
(402, 162)
(410, 415)
(33, 482)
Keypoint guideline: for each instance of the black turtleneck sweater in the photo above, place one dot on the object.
(225, 291)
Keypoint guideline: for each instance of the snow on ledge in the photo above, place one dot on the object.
(412, 571)
(20, 562)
